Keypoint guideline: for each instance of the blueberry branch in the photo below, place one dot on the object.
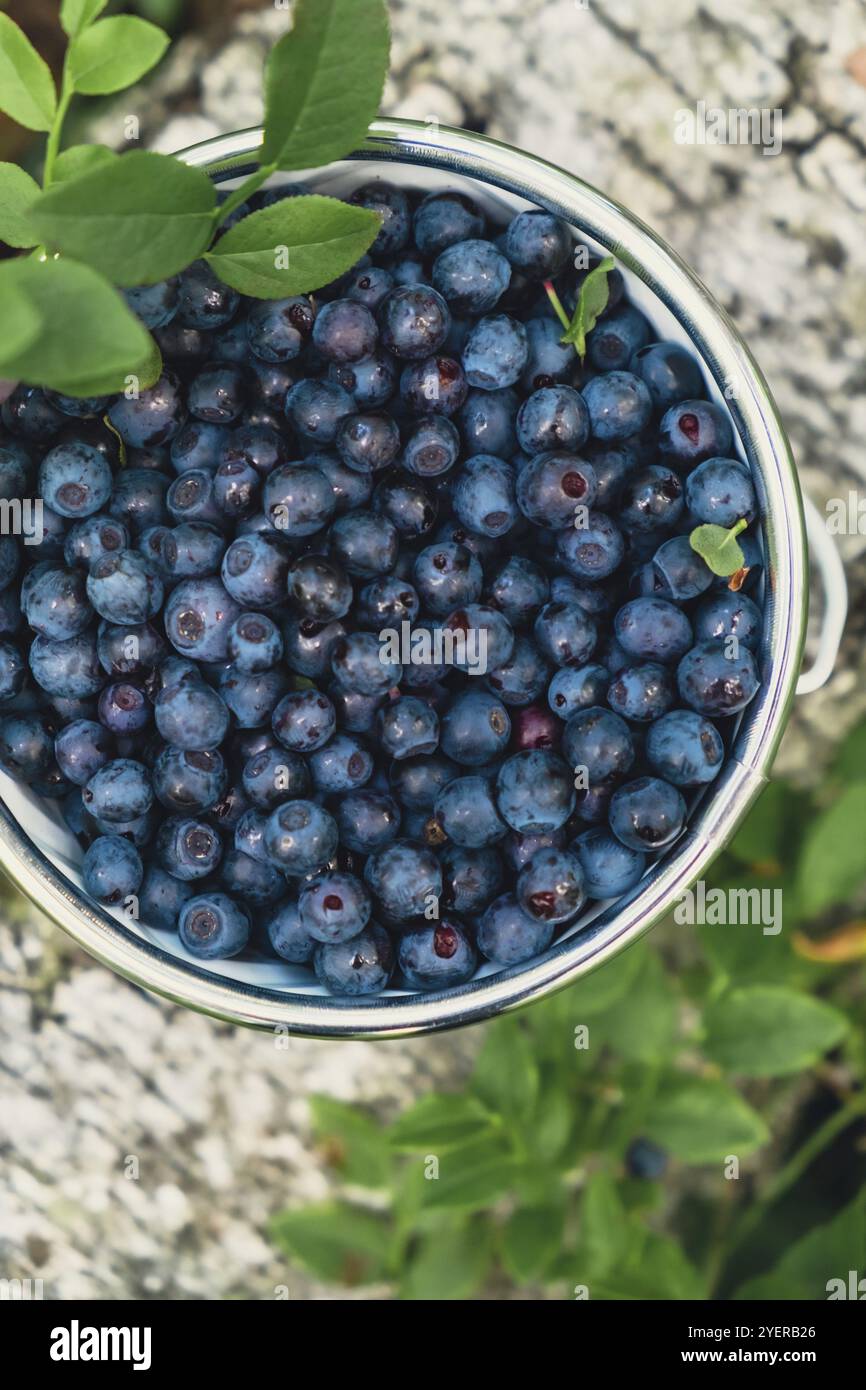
(246, 190)
(52, 146)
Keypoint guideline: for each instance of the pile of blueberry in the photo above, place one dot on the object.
(193, 660)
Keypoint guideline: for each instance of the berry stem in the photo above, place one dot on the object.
(737, 527)
(557, 305)
(52, 147)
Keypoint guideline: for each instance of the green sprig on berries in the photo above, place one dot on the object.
(102, 221)
(591, 304)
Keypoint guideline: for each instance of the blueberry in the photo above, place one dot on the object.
(368, 442)
(470, 878)
(447, 576)
(437, 955)
(278, 329)
(548, 359)
(550, 888)
(693, 431)
(161, 898)
(70, 668)
(729, 614)
(565, 634)
(683, 572)
(359, 662)
(256, 446)
(298, 500)
(534, 791)
(522, 677)
(198, 616)
(642, 692)
(465, 812)
(476, 728)
(335, 907)
(213, 926)
(29, 413)
(156, 305)
(124, 709)
(472, 276)
(386, 603)
(483, 495)
(519, 589)
(236, 489)
(342, 765)
(138, 499)
(408, 727)
(154, 416)
(538, 244)
(304, 720)
(274, 775)
(652, 500)
(87, 541)
(410, 507)
(191, 716)
(619, 405)
(217, 393)
(309, 645)
(370, 383)
(417, 781)
(487, 422)
(670, 372)
(553, 418)
(714, 683)
(612, 465)
(644, 1159)
(488, 639)
(507, 935)
(249, 835)
(361, 966)
(610, 868)
(74, 480)
(345, 331)
(26, 746)
(203, 300)
(435, 386)
(592, 550)
(54, 602)
(617, 337)
(112, 869)
(600, 741)
(300, 837)
(288, 935)
(315, 409)
(129, 650)
(252, 697)
(120, 790)
(188, 849)
(254, 571)
(392, 206)
(685, 748)
(254, 643)
(647, 814)
(445, 218)
(254, 883)
(413, 321)
(367, 820)
(189, 781)
(654, 629)
(13, 671)
(405, 879)
(577, 688)
(720, 491)
(495, 353)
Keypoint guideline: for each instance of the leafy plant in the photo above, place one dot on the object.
(591, 303)
(103, 221)
(661, 1129)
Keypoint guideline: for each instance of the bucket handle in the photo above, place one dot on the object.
(824, 554)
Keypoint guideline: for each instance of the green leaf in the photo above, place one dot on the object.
(337, 1241)
(814, 1266)
(114, 53)
(437, 1123)
(702, 1121)
(359, 1148)
(324, 82)
(718, 547)
(605, 1230)
(472, 1177)
(89, 341)
(531, 1240)
(642, 1025)
(449, 1264)
(294, 246)
(17, 192)
(552, 1123)
(81, 159)
(832, 863)
(849, 762)
(741, 949)
(138, 219)
(763, 837)
(590, 996)
(767, 1030)
(591, 302)
(22, 322)
(506, 1073)
(75, 15)
(27, 92)
(656, 1269)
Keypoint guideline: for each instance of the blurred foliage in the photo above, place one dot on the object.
(687, 1122)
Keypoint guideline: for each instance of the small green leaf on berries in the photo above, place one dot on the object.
(718, 547)
(591, 303)
(294, 246)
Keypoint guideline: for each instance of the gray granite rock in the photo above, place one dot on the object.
(145, 1147)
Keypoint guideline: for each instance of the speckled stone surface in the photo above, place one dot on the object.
(98, 1082)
